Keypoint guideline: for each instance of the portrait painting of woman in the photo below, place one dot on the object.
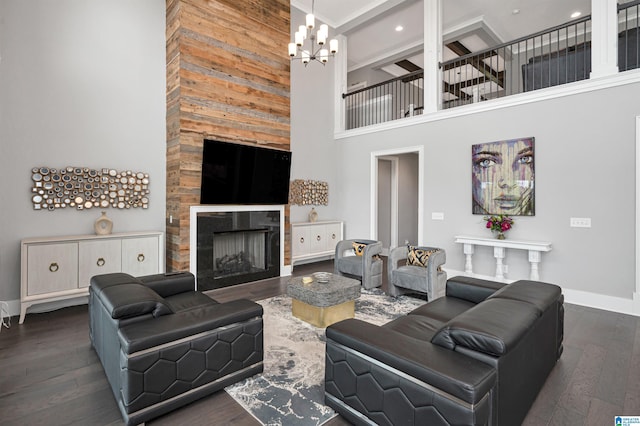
(503, 177)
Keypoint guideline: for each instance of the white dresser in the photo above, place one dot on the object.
(59, 268)
(314, 240)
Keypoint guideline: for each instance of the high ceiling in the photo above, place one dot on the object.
(373, 41)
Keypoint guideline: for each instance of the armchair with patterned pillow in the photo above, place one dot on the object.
(361, 259)
(417, 270)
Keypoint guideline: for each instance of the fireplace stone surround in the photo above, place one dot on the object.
(235, 244)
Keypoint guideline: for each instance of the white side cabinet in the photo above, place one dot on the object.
(60, 268)
(314, 240)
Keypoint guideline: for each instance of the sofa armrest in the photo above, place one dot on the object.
(455, 374)
(170, 284)
(169, 328)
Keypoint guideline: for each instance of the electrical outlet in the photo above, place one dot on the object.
(437, 216)
(580, 222)
(170, 218)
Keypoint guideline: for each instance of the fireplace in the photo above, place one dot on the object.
(235, 244)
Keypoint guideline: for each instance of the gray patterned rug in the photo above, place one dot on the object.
(290, 391)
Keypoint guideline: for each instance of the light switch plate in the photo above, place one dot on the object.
(437, 216)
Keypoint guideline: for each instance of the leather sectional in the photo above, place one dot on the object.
(478, 356)
(163, 345)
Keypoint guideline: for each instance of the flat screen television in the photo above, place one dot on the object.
(243, 174)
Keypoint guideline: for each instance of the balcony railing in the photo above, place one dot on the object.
(629, 36)
(551, 57)
(557, 55)
(390, 100)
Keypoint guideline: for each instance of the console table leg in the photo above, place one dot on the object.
(498, 253)
(468, 264)
(534, 259)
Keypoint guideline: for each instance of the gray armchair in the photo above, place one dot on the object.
(368, 267)
(411, 279)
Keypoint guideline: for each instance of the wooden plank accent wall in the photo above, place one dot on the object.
(227, 79)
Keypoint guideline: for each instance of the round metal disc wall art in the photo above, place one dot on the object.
(84, 188)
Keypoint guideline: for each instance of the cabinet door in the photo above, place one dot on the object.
(52, 268)
(140, 256)
(98, 257)
(318, 239)
(299, 241)
(333, 232)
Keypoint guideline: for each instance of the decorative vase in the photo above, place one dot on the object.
(103, 225)
(313, 215)
(500, 235)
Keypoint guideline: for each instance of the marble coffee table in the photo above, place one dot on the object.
(322, 304)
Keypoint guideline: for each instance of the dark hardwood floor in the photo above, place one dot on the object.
(50, 375)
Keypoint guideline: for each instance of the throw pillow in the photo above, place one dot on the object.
(358, 248)
(418, 257)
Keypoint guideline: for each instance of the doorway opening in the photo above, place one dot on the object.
(397, 196)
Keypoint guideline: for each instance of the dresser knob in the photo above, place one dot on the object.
(301, 240)
(318, 238)
(141, 257)
(54, 267)
(100, 262)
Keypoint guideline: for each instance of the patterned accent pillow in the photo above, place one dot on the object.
(358, 248)
(418, 257)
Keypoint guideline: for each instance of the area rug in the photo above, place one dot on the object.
(290, 391)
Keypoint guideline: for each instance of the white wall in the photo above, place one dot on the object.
(312, 140)
(585, 167)
(82, 83)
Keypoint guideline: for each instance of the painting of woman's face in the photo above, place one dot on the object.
(503, 177)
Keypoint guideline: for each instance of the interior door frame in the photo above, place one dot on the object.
(393, 237)
(375, 155)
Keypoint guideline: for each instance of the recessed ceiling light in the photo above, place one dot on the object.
(515, 11)
(399, 28)
(575, 14)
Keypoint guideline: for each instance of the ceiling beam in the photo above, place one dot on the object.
(476, 62)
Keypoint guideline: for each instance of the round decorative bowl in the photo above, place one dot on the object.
(322, 277)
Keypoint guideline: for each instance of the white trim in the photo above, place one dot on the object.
(604, 38)
(432, 86)
(373, 230)
(584, 86)
(636, 295)
(340, 84)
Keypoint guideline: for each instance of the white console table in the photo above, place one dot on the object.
(535, 249)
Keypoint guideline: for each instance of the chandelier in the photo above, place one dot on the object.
(317, 46)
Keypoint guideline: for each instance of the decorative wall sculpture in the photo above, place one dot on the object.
(308, 192)
(503, 177)
(85, 188)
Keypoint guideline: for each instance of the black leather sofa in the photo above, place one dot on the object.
(478, 356)
(164, 345)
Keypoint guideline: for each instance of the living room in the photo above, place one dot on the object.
(85, 85)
